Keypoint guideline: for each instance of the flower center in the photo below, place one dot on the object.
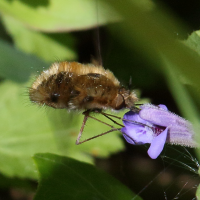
(158, 129)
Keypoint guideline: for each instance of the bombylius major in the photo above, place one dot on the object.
(76, 86)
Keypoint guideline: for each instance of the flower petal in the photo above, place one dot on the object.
(126, 137)
(164, 107)
(157, 144)
(134, 117)
(159, 116)
(138, 131)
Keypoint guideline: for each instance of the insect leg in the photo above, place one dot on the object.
(86, 113)
(107, 116)
(134, 122)
(98, 135)
(82, 127)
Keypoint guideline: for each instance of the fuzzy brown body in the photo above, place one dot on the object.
(72, 85)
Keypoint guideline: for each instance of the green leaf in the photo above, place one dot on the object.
(198, 192)
(25, 130)
(59, 15)
(46, 46)
(193, 41)
(65, 178)
(16, 65)
(180, 93)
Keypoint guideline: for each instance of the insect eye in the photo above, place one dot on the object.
(54, 97)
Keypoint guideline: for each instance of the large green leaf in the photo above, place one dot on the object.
(64, 178)
(49, 47)
(16, 65)
(59, 15)
(25, 130)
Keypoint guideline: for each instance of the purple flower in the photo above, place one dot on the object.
(156, 125)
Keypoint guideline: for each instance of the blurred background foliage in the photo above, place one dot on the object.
(155, 43)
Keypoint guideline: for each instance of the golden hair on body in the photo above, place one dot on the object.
(76, 86)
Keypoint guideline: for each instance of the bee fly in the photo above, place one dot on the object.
(75, 86)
